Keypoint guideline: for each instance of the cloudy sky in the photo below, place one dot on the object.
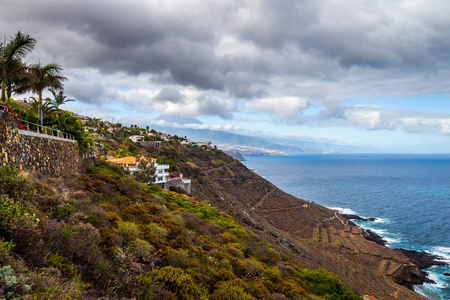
(364, 72)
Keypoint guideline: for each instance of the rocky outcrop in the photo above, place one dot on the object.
(235, 154)
(423, 260)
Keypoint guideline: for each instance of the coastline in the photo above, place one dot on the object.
(424, 260)
(370, 184)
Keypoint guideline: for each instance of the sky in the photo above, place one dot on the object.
(372, 73)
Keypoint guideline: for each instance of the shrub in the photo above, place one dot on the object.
(13, 184)
(158, 229)
(179, 284)
(129, 231)
(293, 290)
(12, 285)
(255, 267)
(10, 211)
(48, 284)
(67, 269)
(176, 258)
(257, 289)
(229, 290)
(325, 284)
(142, 249)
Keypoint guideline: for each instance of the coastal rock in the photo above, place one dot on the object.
(447, 274)
(372, 236)
(423, 260)
(355, 217)
(411, 275)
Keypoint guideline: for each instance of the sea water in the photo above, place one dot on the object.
(409, 195)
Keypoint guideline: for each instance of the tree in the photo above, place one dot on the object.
(147, 128)
(147, 170)
(11, 66)
(46, 107)
(58, 98)
(43, 77)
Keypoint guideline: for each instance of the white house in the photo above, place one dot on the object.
(136, 138)
(131, 164)
(161, 173)
(162, 176)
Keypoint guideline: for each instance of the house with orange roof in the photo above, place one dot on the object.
(131, 164)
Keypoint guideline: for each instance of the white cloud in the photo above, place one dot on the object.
(365, 118)
(283, 108)
(279, 58)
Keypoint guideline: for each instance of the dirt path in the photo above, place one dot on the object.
(210, 170)
(263, 198)
(346, 221)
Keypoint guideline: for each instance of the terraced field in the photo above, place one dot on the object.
(320, 237)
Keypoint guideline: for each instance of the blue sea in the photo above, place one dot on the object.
(408, 194)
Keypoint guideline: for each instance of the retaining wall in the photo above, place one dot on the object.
(36, 153)
(179, 183)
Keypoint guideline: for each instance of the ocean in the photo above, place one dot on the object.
(408, 194)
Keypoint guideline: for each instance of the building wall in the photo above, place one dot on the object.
(36, 153)
(178, 183)
(151, 144)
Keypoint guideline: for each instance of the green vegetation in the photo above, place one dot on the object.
(13, 70)
(56, 119)
(102, 234)
(18, 77)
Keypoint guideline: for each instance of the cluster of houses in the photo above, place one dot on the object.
(163, 178)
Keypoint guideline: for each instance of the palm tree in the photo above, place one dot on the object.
(43, 77)
(58, 98)
(46, 107)
(11, 66)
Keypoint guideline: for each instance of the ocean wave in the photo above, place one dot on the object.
(390, 238)
(442, 252)
(382, 220)
(379, 231)
(346, 211)
(430, 291)
(390, 241)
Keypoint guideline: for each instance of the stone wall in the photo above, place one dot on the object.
(36, 153)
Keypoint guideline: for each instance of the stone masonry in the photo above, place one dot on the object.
(35, 153)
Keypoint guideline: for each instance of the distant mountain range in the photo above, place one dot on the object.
(247, 145)
(170, 118)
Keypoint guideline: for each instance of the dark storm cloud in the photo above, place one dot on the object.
(244, 49)
(216, 107)
(170, 94)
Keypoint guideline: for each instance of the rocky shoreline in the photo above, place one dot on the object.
(422, 259)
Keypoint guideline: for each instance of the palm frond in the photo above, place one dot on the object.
(18, 46)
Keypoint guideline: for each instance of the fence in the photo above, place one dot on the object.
(33, 127)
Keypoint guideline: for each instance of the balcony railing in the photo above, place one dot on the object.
(44, 130)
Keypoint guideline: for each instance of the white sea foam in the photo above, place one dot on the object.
(439, 283)
(442, 252)
(386, 235)
(381, 220)
(346, 211)
(429, 291)
(390, 240)
(378, 231)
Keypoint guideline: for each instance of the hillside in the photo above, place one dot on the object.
(306, 232)
(101, 234)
